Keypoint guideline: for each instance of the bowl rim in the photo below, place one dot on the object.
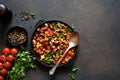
(15, 27)
(38, 24)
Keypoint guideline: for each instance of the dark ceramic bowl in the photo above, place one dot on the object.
(17, 35)
(39, 24)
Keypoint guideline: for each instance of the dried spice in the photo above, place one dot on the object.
(17, 36)
(25, 15)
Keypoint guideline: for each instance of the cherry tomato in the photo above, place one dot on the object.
(45, 43)
(1, 65)
(1, 78)
(70, 53)
(48, 47)
(7, 65)
(50, 32)
(14, 51)
(6, 51)
(2, 58)
(10, 58)
(3, 72)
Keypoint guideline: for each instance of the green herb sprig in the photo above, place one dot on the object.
(72, 74)
(23, 62)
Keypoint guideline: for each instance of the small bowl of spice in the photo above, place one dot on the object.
(17, 35)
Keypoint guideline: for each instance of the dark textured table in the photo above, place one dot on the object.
(98, 23)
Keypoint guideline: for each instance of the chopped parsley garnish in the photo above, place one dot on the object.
(67, 29)
(58, 24)
(48, 58)
(61, 35)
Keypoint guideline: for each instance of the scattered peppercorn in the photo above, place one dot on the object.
(25, 15)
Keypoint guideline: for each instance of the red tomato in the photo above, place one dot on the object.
(70, 53)
(48, 47)
(2, 58)
(7, 65)
(55, 49)
(6, 51)
(14, 51)
(1, 65)
(1, 78)
(50, 32)
(10, 58)
(3, 72)
(45, 43)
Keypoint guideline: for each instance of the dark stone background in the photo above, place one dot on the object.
(98, 23)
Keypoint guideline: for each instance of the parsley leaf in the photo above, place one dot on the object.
(58, 24)
(74, 68)
(72, 76)
(73, 26)
(33, 15)
(67, 29)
